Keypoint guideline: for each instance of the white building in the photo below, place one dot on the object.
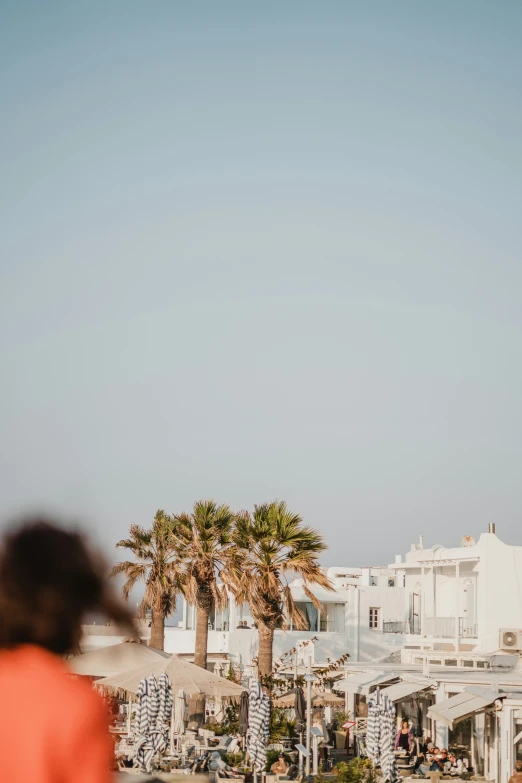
(466, 599)
(352, 620)
(476, 711)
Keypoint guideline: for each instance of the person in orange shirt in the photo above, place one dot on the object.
(53, 728)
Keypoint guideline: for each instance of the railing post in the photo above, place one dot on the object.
(457, 618)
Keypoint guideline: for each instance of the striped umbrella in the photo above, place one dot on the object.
(165, 700)
(388, 760)
(147, 697)
(373, 730)
(258, 725)
(148, 747)
(149, 739)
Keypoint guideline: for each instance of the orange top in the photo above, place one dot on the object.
(53, 728)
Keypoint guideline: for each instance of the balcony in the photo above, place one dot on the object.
(445, 627)
(468, 628)
(397, 626)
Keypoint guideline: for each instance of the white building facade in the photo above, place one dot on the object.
(352, 620)
(465, 599)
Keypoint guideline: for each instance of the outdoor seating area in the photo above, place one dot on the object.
(158, 713)
(154, 698)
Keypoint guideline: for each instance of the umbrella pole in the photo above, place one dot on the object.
(172, 728)
(129, 710)
(308, 723)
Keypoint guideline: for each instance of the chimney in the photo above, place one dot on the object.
(492, 528)
(421, 542)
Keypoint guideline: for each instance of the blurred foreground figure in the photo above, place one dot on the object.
(53, 728)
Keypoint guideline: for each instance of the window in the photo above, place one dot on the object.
(375, 617)
(243, 615)
(332, 618)
(391, 581)
(468, 663)
(329, 619)
(219, 619)
(191, 618)
(310, 614)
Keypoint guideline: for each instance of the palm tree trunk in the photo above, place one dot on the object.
(200, 653)
(266, 644)
(157, 630)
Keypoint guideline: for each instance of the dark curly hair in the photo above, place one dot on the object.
(49, 580)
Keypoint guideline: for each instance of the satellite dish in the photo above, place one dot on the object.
(468, 541)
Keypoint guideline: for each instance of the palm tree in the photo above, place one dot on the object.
(156, 564)
(272, 544)
(204, 540)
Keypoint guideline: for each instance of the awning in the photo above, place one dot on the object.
(462, 705)
(402, 690)
(362, 682)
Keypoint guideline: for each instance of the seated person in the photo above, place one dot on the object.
(426, 746)
(279, 767)
(427, 762)
(516, 777)
(440, 762)
(457, 766)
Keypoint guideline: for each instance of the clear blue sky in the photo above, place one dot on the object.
(259, 250)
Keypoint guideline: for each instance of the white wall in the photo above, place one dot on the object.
(499, 590)
(392, 602)
(183, 642)
(496, 579)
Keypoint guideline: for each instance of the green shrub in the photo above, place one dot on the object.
(354, 771)
(217, 728)
(281, 725)
(233, 759)
(230, 723)
(341, 717)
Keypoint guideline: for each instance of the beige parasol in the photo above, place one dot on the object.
(182, 675)
(114, 659)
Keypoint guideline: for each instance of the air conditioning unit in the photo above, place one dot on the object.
(510, 639)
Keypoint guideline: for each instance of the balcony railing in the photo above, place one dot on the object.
(468, 628)
(442, 627)
(445, 627)
(398, 626)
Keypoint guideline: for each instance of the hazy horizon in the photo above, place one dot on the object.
(264, 251)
